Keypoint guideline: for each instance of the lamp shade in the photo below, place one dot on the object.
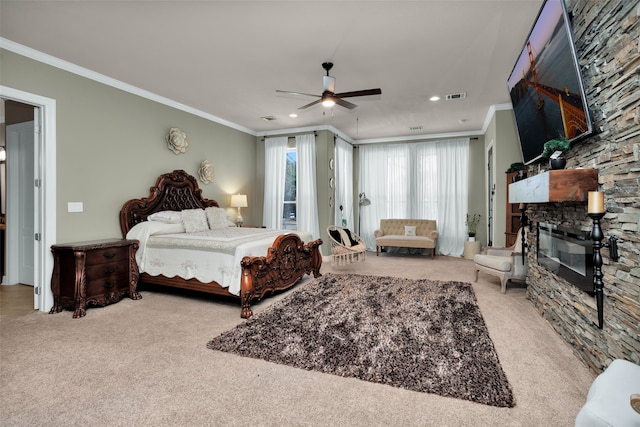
(364, 200)
(239, 201)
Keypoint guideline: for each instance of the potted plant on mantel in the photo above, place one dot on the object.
(472, 225)
(553, 150)
(519, 167)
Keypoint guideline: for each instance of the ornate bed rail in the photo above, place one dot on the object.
(287, 261)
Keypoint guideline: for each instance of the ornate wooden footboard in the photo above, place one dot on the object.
(286, 262)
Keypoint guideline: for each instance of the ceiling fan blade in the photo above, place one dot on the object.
(365, 92)
(297, 93)
(345, 104)
(310, 104)
(328, 84)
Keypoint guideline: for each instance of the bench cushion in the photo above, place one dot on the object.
(406, 241)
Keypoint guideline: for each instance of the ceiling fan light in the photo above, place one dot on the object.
(328, 102)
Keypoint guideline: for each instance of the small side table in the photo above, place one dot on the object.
(471, 249)
(95, 273)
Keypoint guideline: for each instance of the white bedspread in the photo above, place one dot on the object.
(212, 255)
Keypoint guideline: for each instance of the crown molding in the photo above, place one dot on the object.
(101, 78)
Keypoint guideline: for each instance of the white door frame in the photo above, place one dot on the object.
(45, 171)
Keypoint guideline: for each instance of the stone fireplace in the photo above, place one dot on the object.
(608, 51)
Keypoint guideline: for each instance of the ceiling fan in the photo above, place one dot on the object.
(329, 98)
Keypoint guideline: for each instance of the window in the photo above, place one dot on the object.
(290, 193)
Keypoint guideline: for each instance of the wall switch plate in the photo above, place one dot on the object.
(75, 207)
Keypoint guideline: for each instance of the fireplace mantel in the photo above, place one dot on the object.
(563, 185)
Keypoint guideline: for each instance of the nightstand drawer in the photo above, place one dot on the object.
(99, 271)
(107, 283)
(101, 256)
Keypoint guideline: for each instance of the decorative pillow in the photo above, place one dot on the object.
(409, 230)
(335, 235)
(217, 218)
(353, 241)
(194, 220)
(168, 217)
(344, 238)
(231, 224)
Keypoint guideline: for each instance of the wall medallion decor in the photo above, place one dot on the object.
(206, 172)
(177, 141)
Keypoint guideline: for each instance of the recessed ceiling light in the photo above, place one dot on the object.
(268, 118)
(293, 115)
(434, 98)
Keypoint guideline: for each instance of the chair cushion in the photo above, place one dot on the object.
(500, 263)
(609, 398)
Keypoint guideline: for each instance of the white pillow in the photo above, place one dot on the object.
(168, 217)
(409, 230)
(194, 220)
(217, 217)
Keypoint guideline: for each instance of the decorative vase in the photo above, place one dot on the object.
(472, 238)
(558, 163)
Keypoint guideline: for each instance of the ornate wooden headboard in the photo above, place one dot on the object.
(173, 191)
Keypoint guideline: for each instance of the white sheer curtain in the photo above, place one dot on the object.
(419, 180)
(344, 183)
(275, 167)
(453, 194)
(384, 177)
(307, 200)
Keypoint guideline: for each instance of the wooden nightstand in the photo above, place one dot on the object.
(94, 273)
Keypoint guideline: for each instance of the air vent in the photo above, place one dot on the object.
(459, 95)
(415, 128)
(268, 118)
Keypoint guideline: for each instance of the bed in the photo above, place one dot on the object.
(285, 261)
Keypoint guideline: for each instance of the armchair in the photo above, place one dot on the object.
(506, 263)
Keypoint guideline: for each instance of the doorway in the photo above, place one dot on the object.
(43, 185)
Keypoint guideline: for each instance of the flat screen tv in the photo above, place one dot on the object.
(545, 85)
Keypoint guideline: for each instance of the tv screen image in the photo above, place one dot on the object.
(545, 85)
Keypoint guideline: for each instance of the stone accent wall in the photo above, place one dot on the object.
(607, 38)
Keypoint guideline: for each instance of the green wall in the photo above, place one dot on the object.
(111, 147)
(477, 194)
(502, 135)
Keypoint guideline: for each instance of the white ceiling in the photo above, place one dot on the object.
(227, 58)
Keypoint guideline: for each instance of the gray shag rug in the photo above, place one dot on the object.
(420, 335)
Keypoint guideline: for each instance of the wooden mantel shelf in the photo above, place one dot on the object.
(564, 185)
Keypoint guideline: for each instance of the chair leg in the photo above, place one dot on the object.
(377, 250)
(503, 283)
(477, 274)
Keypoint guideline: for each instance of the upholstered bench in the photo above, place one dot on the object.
(407, 233)
(614, 397)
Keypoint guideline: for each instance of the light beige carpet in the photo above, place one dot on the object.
(146, 363)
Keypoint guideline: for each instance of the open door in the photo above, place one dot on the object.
(21, 201)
